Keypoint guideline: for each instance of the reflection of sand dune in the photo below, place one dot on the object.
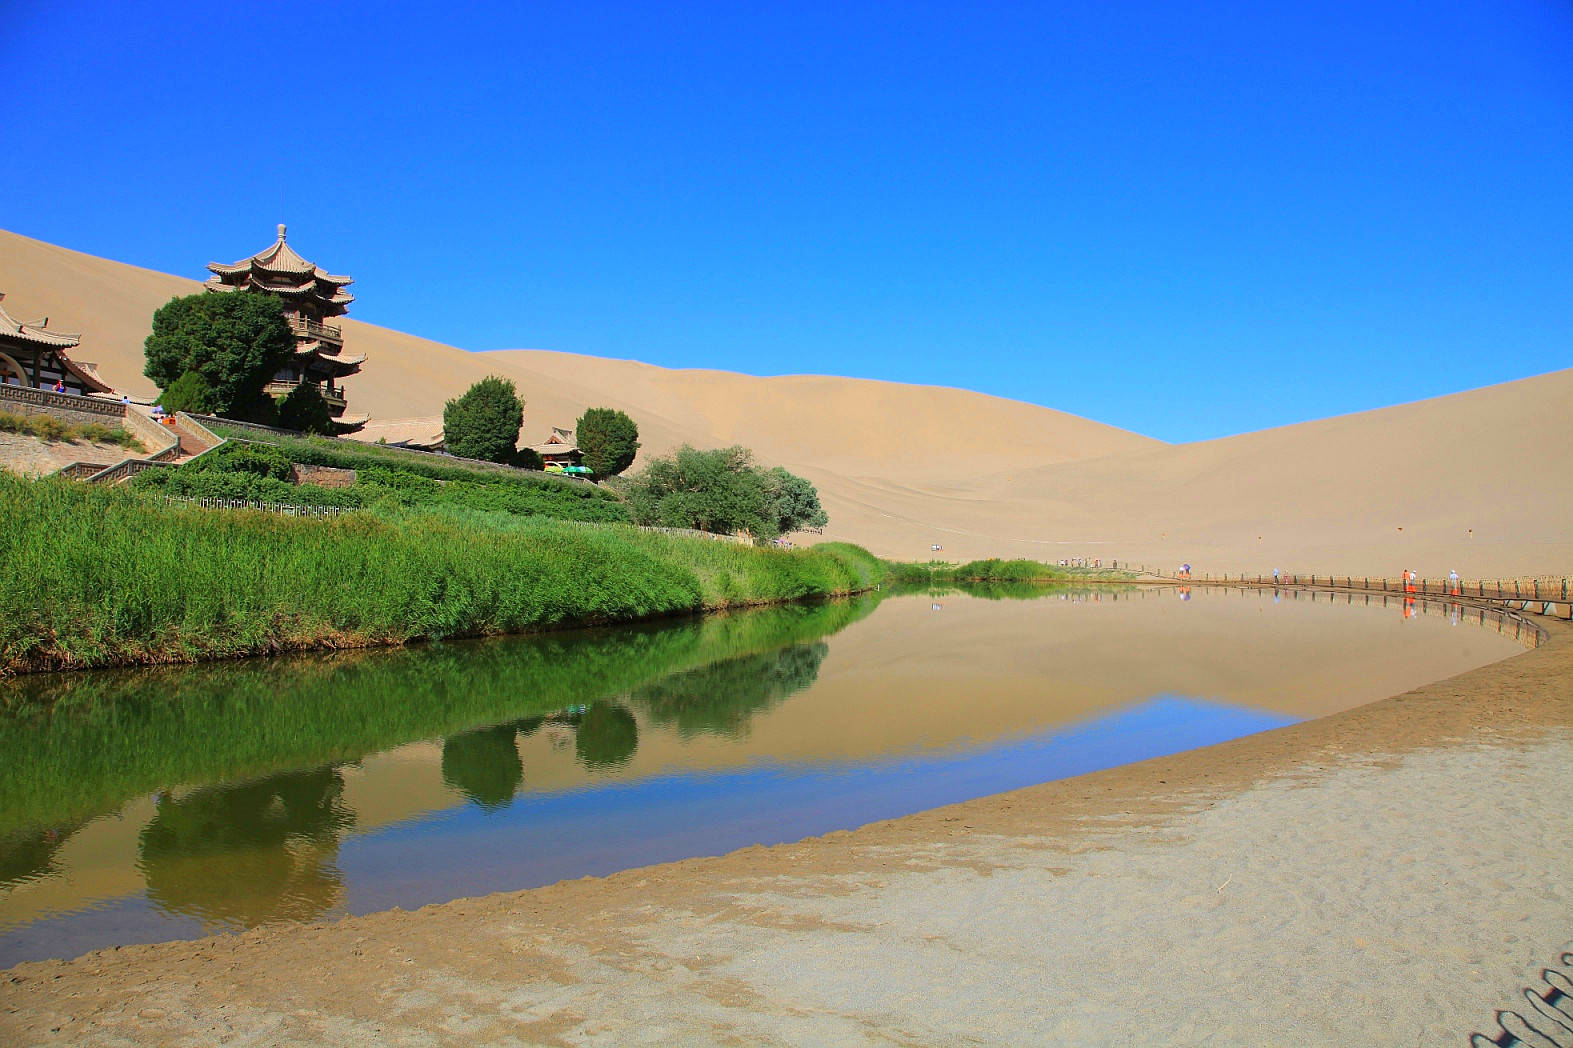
(1476, 481)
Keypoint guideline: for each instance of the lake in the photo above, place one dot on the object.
(142, 806)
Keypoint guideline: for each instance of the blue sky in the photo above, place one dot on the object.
(1185, 221)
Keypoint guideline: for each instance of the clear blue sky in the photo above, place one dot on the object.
(1185, 220)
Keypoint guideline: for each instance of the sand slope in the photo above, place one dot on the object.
(1479, 481)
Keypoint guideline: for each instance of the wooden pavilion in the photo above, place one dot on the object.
(311, 297)
(33, 355)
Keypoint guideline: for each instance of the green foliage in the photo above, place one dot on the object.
(303, 410)
(526, 458)
(720, 491)
(261, 460)
(235, 341)
(94, 576)
(484, 422)
(190, 392)
(609, 440)
(384, 478)
(793, 501)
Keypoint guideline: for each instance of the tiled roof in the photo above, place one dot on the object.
(35, 331)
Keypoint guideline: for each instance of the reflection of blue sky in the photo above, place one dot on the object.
(542, 838)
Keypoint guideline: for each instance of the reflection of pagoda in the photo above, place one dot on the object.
(310, 297)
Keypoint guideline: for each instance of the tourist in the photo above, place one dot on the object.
(158, 412)
(60, 385)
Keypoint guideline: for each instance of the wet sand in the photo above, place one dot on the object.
(1388, 875)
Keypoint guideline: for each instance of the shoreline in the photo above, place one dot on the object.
(565, 963)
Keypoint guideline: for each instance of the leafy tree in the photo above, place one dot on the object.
(794, 501)
(484, 422)
(190, 392)
(718, 491)
(609, 440)
(304, 409)
(236, 342)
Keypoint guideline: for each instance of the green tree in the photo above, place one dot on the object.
(484, 422)
(794, 501)
(236, 342)
(189, 392)
(719, 491)
(303, 409)
(609, 440)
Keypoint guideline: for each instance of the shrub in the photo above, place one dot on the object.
(609, 440)
(304, 410)
(793, 501)
(484, 422)
(48, 428)
(190, 392)
(718, 491)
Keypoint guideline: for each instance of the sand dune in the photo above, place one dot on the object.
(1481, 482)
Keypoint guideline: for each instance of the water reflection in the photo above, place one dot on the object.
(240, 855)
(295, 789)
(722, 699)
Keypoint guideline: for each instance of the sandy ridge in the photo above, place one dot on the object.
(1479, 482)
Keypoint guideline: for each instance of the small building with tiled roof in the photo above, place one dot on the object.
(33, 355)
(311, 296)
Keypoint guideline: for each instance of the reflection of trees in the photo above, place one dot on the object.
(484, 765)
(722, 698)
(607, 735)
(254, 852)
(31, 853)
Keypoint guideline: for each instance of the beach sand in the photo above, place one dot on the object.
(1388, 875)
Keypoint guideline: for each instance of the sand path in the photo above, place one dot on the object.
(1390, 875)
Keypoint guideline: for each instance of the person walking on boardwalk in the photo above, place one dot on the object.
(1452, 582)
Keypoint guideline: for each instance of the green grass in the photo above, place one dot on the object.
(93, 576)
(52, 430)
(261, 471)
(938, 572)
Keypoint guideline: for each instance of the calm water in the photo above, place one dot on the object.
(168, 804)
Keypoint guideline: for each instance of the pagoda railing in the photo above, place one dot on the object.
(278, 388)
(312, 329)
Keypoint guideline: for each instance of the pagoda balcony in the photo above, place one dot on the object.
(321, 332)
(333, 397)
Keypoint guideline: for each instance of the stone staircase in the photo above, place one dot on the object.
(183, 437)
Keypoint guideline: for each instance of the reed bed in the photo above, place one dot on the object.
(95, 576)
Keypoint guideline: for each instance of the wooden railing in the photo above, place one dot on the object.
(312, 329)
(281, 388)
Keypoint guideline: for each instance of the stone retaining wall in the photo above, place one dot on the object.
(323, 476)
(66, 407)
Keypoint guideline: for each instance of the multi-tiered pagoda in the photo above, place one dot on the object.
(311, 296)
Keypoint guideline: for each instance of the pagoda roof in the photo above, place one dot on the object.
(36, 331)
(278, 268)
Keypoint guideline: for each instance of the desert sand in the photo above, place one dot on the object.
(1388, 875)
(1478, 482)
